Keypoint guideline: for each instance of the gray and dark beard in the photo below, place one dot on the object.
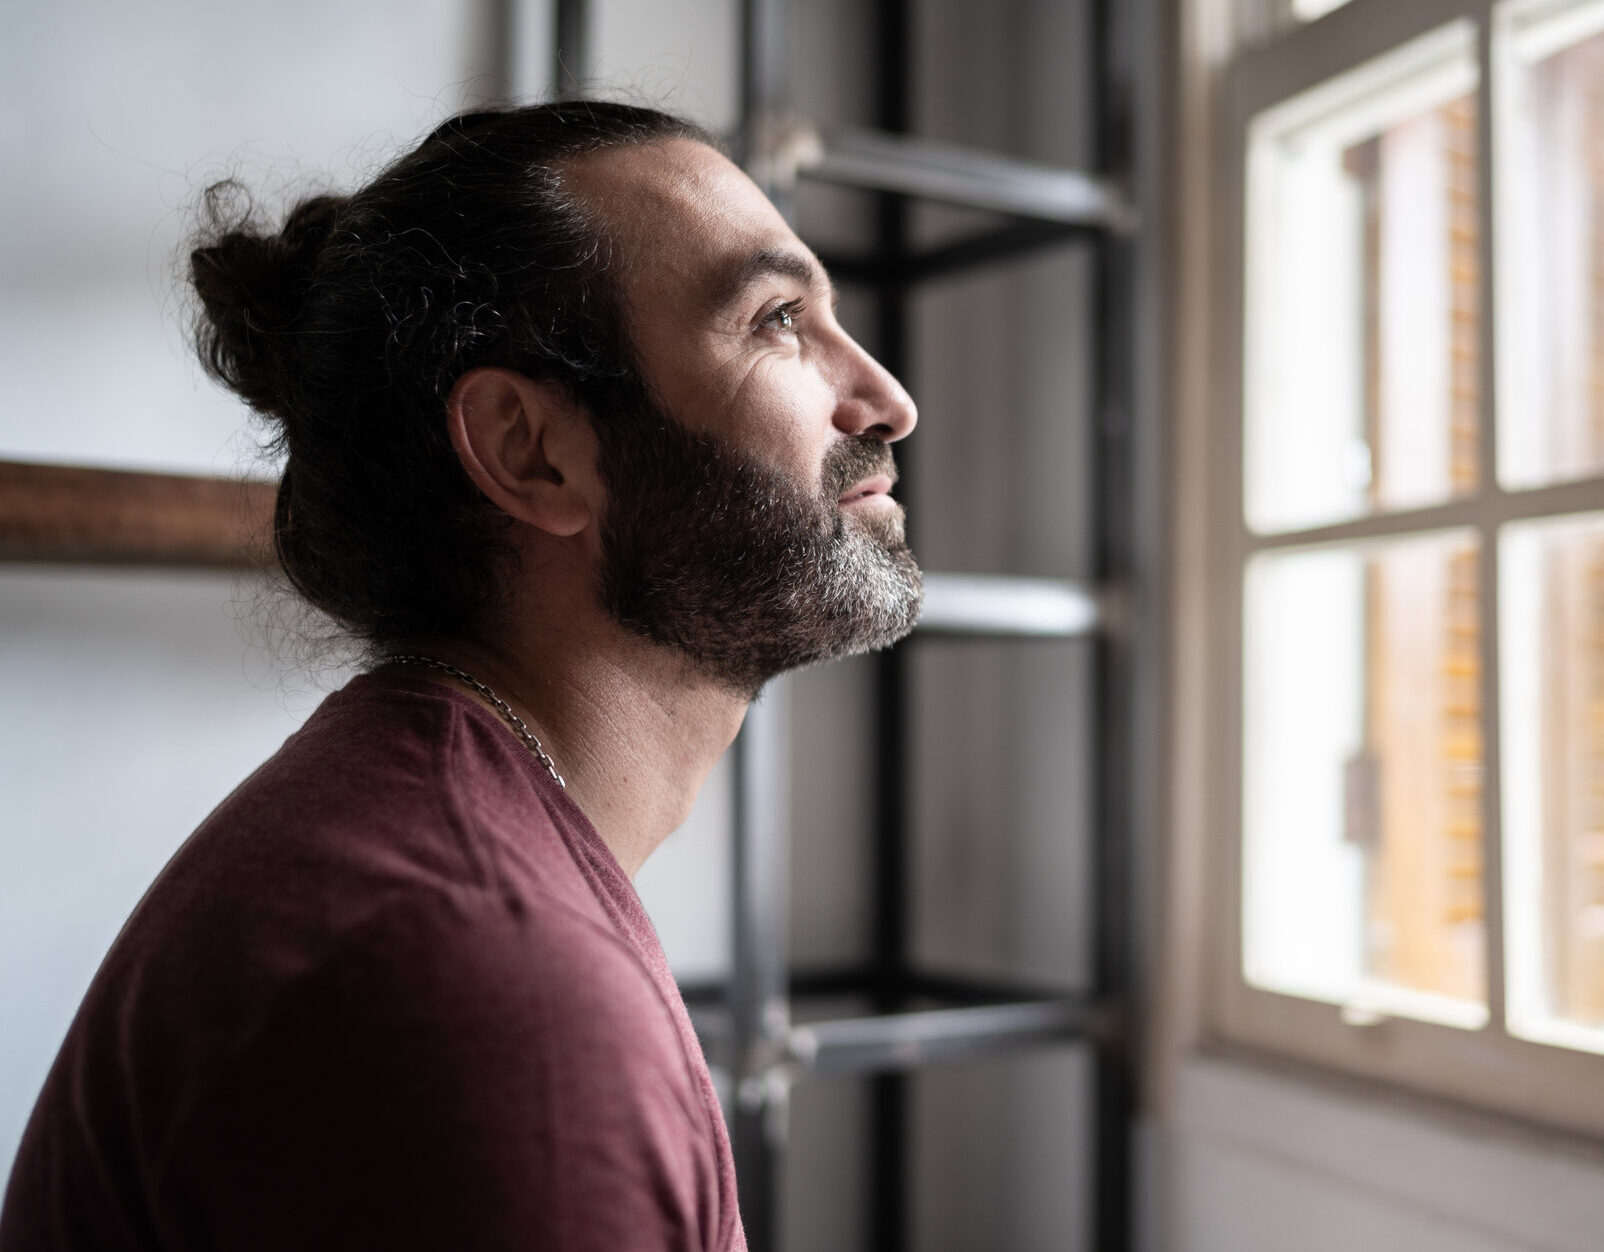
(723, 558)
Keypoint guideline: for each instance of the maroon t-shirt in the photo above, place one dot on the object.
(394, 993)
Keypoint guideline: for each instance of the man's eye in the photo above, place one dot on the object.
(785, 316)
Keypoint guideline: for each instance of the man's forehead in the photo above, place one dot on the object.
(685, 211)
(741, 269)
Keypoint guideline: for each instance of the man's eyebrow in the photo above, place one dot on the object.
(767, 262)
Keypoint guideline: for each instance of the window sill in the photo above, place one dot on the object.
(1539, 1188)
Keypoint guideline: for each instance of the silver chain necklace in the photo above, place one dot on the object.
(501, 706)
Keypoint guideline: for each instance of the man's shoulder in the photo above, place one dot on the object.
(486, 966)
(390, 834)
(450, 1039)
(504, 1063)
(389, 782)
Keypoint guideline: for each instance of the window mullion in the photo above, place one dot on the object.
(1492, 772)
(1488, 509)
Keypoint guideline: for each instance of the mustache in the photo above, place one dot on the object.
(850, 462)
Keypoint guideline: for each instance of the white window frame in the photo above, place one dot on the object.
(1486, 1068)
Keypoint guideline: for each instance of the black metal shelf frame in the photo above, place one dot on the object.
(754, 1037)
(762, 1049)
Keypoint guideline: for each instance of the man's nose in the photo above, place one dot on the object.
(870, 400)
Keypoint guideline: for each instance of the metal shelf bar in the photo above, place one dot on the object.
(1010, 607)
(889, 1042)
(1124, 30)
(898, 1041)
(968, 177)
(571, 60)
(759, 1013)
(890, 1106)
(883, 1042)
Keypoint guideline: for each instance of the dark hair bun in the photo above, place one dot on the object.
(253, 289)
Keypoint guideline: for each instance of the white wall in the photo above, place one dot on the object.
(115, 117)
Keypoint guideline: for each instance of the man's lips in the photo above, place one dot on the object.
(867, 488)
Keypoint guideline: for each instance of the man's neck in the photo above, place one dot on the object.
(633, 729)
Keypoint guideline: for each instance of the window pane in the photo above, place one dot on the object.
(1552, 672)
(1551, 275)
(1362, 375)
(1363, 778)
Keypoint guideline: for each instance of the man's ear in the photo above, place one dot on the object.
(527, 445)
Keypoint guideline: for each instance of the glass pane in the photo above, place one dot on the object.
(1552, 670)
(1362, 782)
(1362, 381)
(1551, 249)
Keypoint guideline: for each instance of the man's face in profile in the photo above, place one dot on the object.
(750, 522)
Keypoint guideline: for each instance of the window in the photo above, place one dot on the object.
(1416, 676)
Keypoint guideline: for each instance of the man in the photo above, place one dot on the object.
(576, 445)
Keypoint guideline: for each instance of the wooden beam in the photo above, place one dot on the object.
(69, 514)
